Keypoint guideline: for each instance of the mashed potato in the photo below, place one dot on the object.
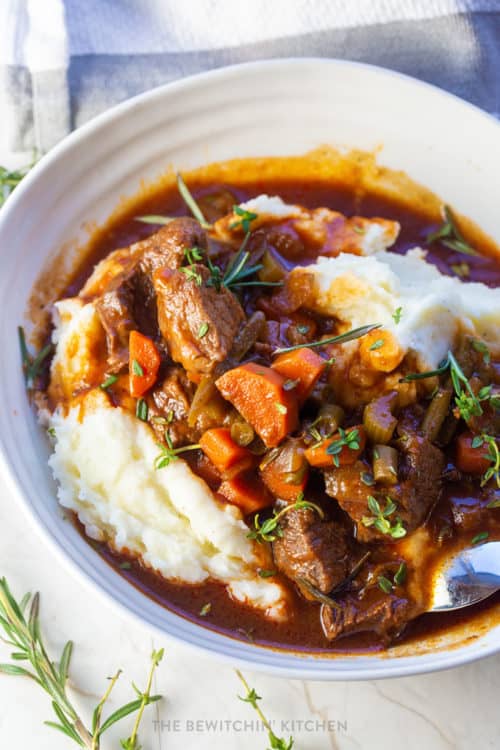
(433, 309)
(103, 462)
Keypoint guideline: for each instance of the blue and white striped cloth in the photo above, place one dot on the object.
(63, 61)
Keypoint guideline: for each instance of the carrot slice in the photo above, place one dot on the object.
(226, 455)
(258, 394)
(277, 482)
(302, 365)
(318, 456)
(247, 492)
(144, 363)
(381, 351)
(468, 459)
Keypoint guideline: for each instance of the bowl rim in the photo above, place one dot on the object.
(303, 668)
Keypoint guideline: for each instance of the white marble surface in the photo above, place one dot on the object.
(455, 709)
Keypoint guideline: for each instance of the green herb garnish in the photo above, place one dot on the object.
(397, 314)
(192, 274)
(281, 408)
(191, 203)
(155, 219)
(108, 382)
(137, 369)
(450, 236)
(204, 611)
(270, 530)
(21, 625)
(400, 574)
(266, 573)
(276, 743)
(380, 518)
(342, 338)
(246, 218)
(202, 330)
(493, 456)
(346, 440)
(193, 255)
(378, 344)
(481, 537)
(384, 584)
(141, 410)
(169, 453)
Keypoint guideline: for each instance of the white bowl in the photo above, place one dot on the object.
(267, 108)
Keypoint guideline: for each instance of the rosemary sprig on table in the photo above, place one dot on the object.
(270, 530)
(21, 626)
(342, 338)
(251, 697)
(450, 235)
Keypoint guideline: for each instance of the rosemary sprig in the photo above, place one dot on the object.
(32, 366)
(20, 623)
(450, 235)
(276, 743)
(270, 530)
(244, 220)
(191, 203)
(169, 453)
(342, 338)
(237, 272)
(155, 219)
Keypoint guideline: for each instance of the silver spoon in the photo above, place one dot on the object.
(472, 575)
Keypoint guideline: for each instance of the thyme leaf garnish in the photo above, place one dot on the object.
(380, 518)
(168, 453)
(270, 530)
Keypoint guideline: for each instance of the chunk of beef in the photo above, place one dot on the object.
(384, 614)
(198, 322)
(166, 248)
(473, 508)
(115, 308)
(126, 299)
(420, 468)
(312, 549)
(171, 401)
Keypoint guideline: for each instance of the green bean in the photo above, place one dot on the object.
(385, 464)
(378, 419)
(242, 433)
(436, 413)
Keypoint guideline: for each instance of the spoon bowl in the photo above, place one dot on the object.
(467, 578)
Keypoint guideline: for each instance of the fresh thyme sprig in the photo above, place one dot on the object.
(493, 456)
(32, 366)
(380, 518)
(191, 203)
(20, 623)
(467, 402)
(450, 235)
(342, 338)
(169, 453)
(349, 440)
(276, 743)
(245, 218)
(270, 530)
